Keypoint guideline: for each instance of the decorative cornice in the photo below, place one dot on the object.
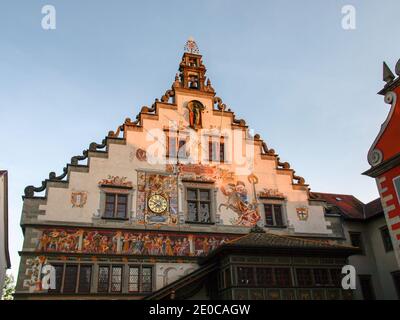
(383, 167)
(30, 191)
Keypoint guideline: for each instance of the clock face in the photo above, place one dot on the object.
(157, 203)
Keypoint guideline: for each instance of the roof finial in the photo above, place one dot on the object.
(388, 75)
(191, 46)
(397, 70)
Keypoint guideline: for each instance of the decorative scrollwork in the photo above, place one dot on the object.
(375, 157)
(220, 105)
(95, 146)
(168, 94)
(111, 134)
(300, 180)
(267, 151)
(53, 177)
(30, 190)
(284, 165)
(390, 97)
(76, 159)
(240, 122)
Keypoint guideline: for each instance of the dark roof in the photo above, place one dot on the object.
(180, 284)
(373, 208)
(269, 243)
(350, 206)
(270, 240)
(257, 238)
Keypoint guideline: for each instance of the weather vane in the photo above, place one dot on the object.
(191, 46)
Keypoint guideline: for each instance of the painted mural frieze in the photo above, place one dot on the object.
(78, 199)
(134, 243)
(116, 181)
(60, 240)
(157, 198)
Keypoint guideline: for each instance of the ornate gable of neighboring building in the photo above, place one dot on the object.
(384, 147)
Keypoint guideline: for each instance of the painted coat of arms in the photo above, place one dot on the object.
(78, 199)
(302, 213)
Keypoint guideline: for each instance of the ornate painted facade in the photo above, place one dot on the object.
(135, 212)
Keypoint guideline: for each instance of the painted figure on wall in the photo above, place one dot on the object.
(60, 240)
(195, 114)
(237, 202)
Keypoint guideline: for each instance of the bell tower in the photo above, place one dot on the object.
(192, 71)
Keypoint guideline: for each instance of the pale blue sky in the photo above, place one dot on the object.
(287, 67)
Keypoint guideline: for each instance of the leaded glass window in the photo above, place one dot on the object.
(199, 205)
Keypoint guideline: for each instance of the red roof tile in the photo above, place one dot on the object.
(350, 206)
(373, 208)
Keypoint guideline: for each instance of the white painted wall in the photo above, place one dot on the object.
(167, 273)
(123, 162)
(376, 262)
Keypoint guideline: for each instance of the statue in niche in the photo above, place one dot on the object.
(195, 114)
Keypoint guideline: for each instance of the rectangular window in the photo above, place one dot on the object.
(396, 280)
(199, 205)
(182, 149)
(265, 277)
(227, 278)
(133, 285)
(212, 151)
(356, 240)
(70, 278)
(283, 277)
(85, 276)
(387, 241)
(321, 277)
(103, 279)
(336, 277)
(116, 278)
(273, 215)
(116, 206)
(59, 268)
(304, 277)
(396, 182)
(216, 149)
(245, 276)
(140, 279)
(222, 150)
(177, 146)
(172, 146)
(147, 279)
(367, 288)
